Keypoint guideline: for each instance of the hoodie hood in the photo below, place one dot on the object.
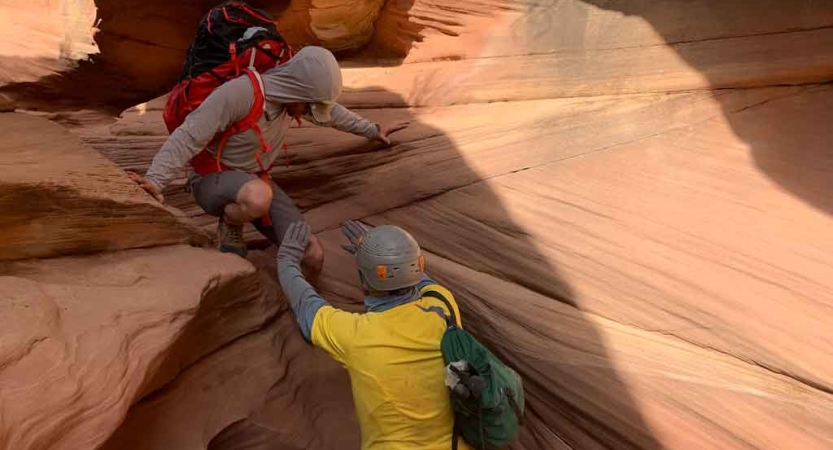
(311, 76)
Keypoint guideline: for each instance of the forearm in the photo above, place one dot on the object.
(171, 158)
(302, 297)
(345, 120)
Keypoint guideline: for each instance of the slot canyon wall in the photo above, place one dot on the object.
(630, 199)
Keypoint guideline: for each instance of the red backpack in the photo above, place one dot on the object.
(232, 39)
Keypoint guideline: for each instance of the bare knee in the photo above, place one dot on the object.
(313, 259)
(255, 198)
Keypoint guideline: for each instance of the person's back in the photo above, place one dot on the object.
(392, 352)
(396, 371)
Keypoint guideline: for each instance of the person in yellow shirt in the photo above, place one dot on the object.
(392, 351)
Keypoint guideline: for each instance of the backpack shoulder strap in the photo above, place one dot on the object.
(441, 297)
(452, 322)
(250, 119)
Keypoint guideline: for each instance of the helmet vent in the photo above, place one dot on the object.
(375, 249)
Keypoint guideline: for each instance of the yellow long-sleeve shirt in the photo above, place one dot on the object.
(396, 371)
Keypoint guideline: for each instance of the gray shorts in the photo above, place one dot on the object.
(216, 190)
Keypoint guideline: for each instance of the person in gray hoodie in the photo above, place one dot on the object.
(305, 87)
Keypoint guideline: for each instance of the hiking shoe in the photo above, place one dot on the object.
(230, 238)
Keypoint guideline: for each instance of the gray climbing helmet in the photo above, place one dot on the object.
(389, 259)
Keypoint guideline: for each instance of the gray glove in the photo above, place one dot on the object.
(355, 231)
(295, 243)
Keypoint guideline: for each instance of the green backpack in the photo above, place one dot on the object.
(487, 396)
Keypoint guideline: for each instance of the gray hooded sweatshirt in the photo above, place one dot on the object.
(311, 76)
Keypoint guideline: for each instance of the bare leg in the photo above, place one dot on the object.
(253, 201)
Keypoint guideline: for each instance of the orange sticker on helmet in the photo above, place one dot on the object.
(382, 273)
(422, 264)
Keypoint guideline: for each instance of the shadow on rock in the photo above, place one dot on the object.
(788, 132)
(512, 296)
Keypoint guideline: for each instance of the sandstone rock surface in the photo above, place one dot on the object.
(60, 197)
(265, 390)
(630, 198)
(43, 38)
(84, 338)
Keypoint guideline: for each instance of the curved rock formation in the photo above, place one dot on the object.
(60, 197)
(43, 38)
(629, 197)
(83, 338)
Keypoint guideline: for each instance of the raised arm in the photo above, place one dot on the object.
(302, 297)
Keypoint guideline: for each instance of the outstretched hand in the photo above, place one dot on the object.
(145, 184)
(355, 231)
(386, 130)
(295, 242)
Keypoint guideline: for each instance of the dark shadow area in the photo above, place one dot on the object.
(789, 135)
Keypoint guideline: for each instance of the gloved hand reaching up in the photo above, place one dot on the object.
(294, 243)
(302, 298)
